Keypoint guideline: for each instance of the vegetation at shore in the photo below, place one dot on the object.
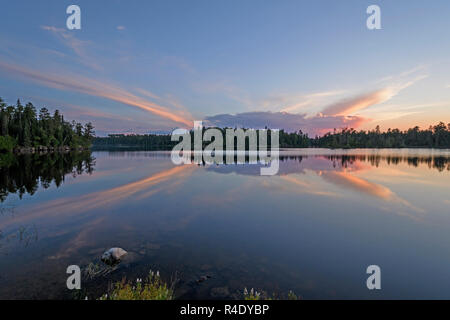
(437, 136)
(154, 288)
(253, 294)
(151, 288)
(24, 127)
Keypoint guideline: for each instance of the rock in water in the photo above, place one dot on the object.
(113, 255)
(203, 278)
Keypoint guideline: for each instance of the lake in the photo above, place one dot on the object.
(313, 228)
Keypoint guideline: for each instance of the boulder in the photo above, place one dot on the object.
(113, 256)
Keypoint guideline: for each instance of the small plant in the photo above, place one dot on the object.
(255, 295)
(292, 295)
(152, 288)
(252, 294)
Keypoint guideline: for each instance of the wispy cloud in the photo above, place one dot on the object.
(420, 69)
(178, 62)
(360, 102)
(386, 88)
(147, 93)
(104, 122)
(93, 88)
(313, 119)
(297, 103)
(396, 111)
(120, 28)
(292, 102)
(363, 101)
(78, 46)
(228, 90)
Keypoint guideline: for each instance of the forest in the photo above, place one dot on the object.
(437, 136)
(25, 127)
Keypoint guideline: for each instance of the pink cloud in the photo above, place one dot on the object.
(318, 124)
(363, 101)
(95, 88)
(360, 102)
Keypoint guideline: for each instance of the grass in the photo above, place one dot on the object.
(151, 288)
(154, 288)
(255, 295)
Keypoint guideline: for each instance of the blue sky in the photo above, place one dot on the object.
(141, 66)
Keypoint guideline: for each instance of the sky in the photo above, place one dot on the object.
(153, 66)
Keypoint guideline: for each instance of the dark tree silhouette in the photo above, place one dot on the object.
(22, 126)
(437, 136)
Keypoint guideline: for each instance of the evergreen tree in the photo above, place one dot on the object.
(22, 126)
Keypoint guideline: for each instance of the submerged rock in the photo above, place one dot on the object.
(203, 278)
(113, 255)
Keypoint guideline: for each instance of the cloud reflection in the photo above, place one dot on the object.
(142, 188)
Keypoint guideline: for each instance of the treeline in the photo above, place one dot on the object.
(163, 141)
(24, 127)
(135, 142)
(437, 136)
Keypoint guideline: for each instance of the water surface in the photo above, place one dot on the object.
(313, 228)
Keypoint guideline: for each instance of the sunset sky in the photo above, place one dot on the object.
(147, 66)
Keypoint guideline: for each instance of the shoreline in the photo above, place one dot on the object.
(66, 149)
(43, 149)
(134, 148)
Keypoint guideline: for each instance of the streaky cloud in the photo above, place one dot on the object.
(365, 100)
(93, 88)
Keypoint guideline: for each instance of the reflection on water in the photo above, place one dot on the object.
(24, 173)
(313, 228)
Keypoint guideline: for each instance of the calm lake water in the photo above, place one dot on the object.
(313, 228)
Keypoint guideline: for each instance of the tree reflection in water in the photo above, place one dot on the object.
(21, 174)
(24, 174)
